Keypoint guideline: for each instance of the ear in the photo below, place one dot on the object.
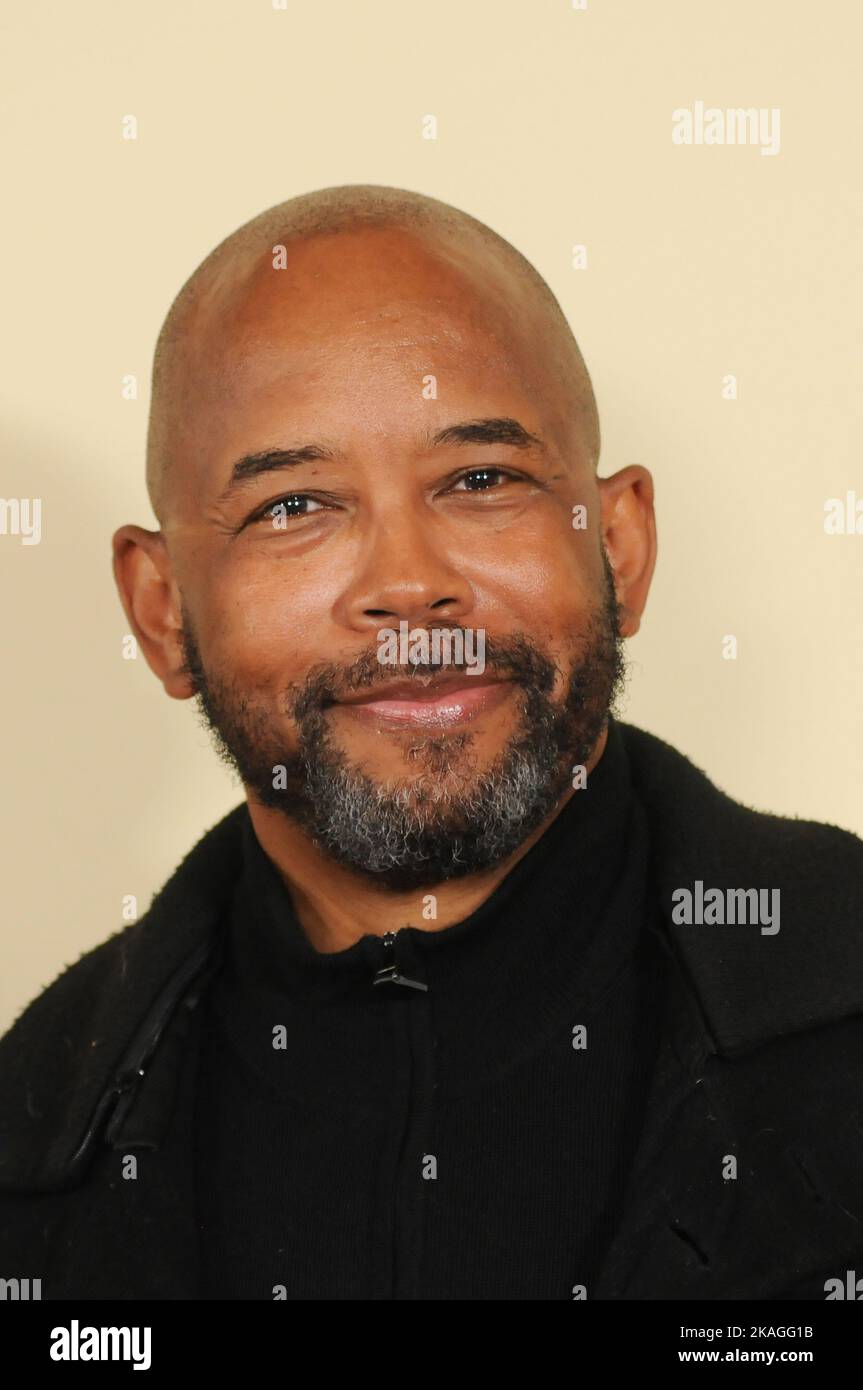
(151, 602)
(629, 536)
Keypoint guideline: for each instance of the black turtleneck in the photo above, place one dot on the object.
(357, 1140)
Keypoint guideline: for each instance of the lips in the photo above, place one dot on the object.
(438, 701)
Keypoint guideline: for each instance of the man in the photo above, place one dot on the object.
(482, 993)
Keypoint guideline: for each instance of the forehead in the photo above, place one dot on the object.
(347, 331)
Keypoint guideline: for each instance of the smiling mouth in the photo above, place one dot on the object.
(433, 702)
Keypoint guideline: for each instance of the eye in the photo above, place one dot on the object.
(485, 479)
(284, 509)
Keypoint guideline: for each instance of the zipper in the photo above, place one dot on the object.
(389, 973)
(413, 1087)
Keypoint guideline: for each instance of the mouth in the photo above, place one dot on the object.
(427, 702)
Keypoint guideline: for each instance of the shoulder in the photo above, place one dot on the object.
(753, 985)
(128, 964)
(65, 1048)
(670, 784)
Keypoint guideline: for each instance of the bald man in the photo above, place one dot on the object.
(480, 993)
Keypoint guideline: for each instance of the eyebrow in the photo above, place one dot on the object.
(498, 430)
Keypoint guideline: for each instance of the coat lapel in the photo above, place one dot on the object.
(143, 1228)
(793, 1214)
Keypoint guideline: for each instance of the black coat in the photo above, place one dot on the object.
(762, 1059)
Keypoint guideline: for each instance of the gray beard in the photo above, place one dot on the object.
(444, 821)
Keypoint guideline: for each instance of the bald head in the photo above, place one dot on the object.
(227, 306)
(370, 417)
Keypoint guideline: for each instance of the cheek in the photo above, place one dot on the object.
(266, 623)
(547, 582)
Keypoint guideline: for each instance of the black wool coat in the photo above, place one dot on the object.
(761, 1059)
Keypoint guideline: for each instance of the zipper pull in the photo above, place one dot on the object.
(389, 971)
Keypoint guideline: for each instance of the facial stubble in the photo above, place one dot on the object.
(445, 818)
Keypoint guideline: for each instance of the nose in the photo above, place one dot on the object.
(404, 575)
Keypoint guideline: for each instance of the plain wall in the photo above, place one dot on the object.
(554, 126)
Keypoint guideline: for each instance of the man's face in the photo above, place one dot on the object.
(361, 353)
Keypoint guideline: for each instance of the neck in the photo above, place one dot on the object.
(336, 906)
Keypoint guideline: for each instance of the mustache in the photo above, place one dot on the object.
(514, 658)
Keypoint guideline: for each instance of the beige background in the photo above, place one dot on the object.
(554, 127)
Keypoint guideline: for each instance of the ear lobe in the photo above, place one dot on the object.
(629, 622)
(142, 572)
(629, 538)
(177, 682)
